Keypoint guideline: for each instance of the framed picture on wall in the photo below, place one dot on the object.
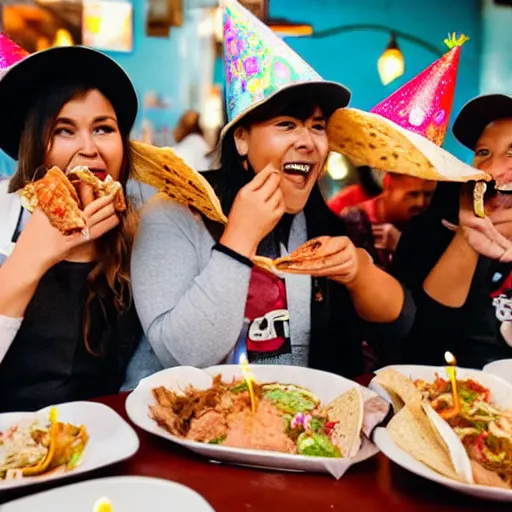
(108, 25)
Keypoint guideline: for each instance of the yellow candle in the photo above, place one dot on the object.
(244, 364)
(53, 415)
(452, 375)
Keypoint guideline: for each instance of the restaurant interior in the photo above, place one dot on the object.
(173, 52)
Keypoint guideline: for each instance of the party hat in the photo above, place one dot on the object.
(423, 105)
(404, 133)
(10, 53)
(258, 65)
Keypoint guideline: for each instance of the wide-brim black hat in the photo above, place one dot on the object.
(22, 84)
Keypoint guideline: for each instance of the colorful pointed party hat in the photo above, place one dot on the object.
(404, 133)
(10, 53)
(423, 105)
(258, 65)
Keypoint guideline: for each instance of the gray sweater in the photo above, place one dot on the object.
(191, 298)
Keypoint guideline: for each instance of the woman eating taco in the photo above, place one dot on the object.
(67, 323)
(200, 298)
(457, 264)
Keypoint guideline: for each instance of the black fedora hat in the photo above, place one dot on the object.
(477, 114)
(22, 83)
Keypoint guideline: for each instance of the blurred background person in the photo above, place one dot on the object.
(380, 221)
(365, 188)
(190, 142)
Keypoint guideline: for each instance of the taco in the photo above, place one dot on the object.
(370, 139)
(315, 254)
(483, 439)
(56, 194)
(35, 447)
(101, 187)
(347, 411)
(400, 388)
(411, 430)
(57, 198)
(164, 170)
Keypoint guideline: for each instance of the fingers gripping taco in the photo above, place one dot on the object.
(57, 196)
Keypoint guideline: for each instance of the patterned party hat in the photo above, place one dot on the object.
(423, 105)
(258, 65)
(10, 53)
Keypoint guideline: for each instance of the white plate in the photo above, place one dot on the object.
(501, 391)
(501, 368)
(326, 386)
(111, 439)
(397, 455)
(501, 394)
(126, 494)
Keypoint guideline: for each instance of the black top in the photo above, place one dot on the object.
(48, 362)
(337, 332)
(473, 333)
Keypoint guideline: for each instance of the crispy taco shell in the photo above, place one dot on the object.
(410, 429)
(370, 139)
(168, 173)
(348, 411)
(400, 388)
(58, 199)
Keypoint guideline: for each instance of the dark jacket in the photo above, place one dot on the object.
(471, 332)
(337, 332)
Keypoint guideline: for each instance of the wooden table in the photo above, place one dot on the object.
(374, 485)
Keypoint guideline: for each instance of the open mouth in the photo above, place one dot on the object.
(301, 169)
(99, 173)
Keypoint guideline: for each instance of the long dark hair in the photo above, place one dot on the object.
(295, 102)
(109, 280)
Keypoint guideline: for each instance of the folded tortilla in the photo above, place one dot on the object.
(370, 139)
(348, 411)
(163, 169)
(412, 431)
(313, 255)
(400, 388)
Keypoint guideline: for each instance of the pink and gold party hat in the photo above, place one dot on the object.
(10, 53)
(403, 134)
(423, 105)
(258, 64)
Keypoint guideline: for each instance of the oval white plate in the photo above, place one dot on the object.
(326, 386)
(111, 439)
(501, 368)
(383, 440)
(126, 494)
(501, 394)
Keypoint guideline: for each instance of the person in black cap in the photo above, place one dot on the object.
(459, 265)
(67, 324)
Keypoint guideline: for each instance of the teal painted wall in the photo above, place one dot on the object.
(162, 64)
(351, 58)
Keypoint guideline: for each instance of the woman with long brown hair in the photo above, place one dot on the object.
(67, 324)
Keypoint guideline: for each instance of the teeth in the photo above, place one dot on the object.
(297, 167)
